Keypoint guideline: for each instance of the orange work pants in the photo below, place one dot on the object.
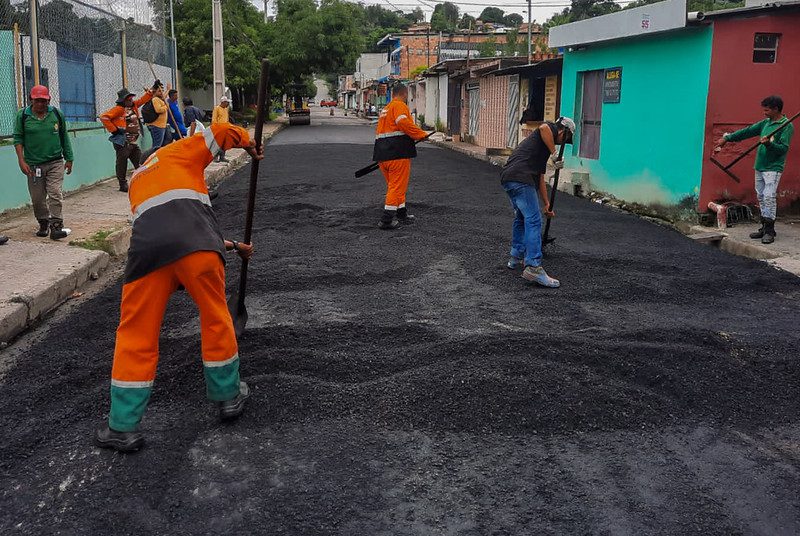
(396, 173)
(144, 302)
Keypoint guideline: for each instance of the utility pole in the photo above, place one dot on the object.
(428, 35)
(530, 57)
(123, 37)
(219, 54)
(174, 47)
(35, 60)
(266, 10)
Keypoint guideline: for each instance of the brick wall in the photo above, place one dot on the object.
(415, 48)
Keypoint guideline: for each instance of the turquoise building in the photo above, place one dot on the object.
(638, 96)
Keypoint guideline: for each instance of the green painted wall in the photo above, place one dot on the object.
(651, 142)
(94, 161)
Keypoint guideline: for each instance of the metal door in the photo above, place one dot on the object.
(76, 84)
(474, 111)
(591, 114)
(454, 108)
(513, 111)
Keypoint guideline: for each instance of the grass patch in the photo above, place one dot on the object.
(98, 241)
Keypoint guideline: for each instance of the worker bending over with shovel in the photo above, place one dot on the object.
(394, 149)
(523, 178)
(176, 242)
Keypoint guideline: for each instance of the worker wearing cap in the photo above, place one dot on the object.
(124, 122)
(44, 153)
(523, 178)
(220, 115)
(394, 149)
(176, 241)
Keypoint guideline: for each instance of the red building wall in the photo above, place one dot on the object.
(736, 88)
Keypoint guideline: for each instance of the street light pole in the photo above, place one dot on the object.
(174, 47)
(218, 51)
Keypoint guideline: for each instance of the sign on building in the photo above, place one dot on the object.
(612, 85)
(550, 98)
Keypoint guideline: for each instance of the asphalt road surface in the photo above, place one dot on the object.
(407, 383)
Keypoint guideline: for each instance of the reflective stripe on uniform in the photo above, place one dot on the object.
(399, 117)
(211, 142)
(213, 364)
(389, 207)
(401, 205)
(390, 134)
(170, 195)
(131, 385)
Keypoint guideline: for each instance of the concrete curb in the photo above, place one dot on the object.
(28, 306)
(494, 160)
(739, 247)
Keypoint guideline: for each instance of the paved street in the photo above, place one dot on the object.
(407, 383)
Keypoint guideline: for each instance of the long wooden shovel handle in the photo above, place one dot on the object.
(553, 191)
(263, 84)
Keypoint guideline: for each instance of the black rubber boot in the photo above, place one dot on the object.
(231, 409)
(769, 231)
(107, 438)
(404, 217)
(759, 233)
(57, 231)
(44, 228)
(123, 185)
(389, 220)
(3, 239)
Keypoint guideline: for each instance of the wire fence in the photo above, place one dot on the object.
(85, 55)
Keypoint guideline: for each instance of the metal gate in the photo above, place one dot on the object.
(513, 111)
(454, 108)
(76, 84)
(474, 111)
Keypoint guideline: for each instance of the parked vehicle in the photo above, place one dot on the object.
(332, 103)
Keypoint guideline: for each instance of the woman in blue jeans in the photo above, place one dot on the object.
(523, 179)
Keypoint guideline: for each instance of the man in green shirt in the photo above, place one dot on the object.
(770, 160)
(42, 145)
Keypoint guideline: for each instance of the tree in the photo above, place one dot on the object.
(512, 20)
(445, 17)
(492, 14)
(511, 46)
(416, 16)
(467, 21)
(488, 48)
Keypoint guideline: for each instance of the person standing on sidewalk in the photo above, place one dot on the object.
(770, 161)
(191, 113)
(220, 116)
(177, 125)
(176, 241)
(155, 114)
(124, 123)
(44, 153)
(394, 149)
(523, 178)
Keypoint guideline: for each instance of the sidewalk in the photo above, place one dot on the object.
(784, 253)
(38, 274)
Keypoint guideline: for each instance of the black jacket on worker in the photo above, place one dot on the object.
(529, 160)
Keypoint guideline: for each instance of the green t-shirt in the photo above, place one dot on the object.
(770, 157)
(41, 139)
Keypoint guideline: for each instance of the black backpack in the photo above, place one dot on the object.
(149, 114)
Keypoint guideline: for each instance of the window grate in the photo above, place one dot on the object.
(765, 47)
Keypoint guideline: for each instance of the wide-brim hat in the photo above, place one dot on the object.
(123, 94)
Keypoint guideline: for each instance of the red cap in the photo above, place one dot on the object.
(40, 92)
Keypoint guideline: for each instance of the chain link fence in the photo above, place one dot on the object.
(85, 55)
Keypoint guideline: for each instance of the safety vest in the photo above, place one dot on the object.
(170, 208)
(391, 141)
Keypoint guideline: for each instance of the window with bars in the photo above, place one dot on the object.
(765, 47)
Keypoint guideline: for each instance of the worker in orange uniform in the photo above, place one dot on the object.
(176, 242)
(394, 149)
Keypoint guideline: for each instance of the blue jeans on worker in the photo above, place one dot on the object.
(160, 136)
(526, 232)
(767, 192)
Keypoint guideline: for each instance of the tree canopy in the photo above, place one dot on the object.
(445, 17)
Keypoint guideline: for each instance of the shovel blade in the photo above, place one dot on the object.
(238, 314)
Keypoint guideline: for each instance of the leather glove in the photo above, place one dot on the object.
(558, 164)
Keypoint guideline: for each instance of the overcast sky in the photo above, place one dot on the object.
(542, 9)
